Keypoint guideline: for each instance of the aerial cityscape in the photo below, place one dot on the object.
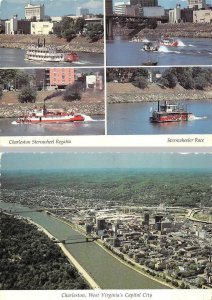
(122, 211)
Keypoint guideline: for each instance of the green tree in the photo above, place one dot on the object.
(22, 79)
(79, 25)
(171, 79)
(200, 82)
(95, 32)
(67, 28)
(27, 95)
(140, 82)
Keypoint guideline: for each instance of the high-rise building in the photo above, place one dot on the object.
(11, 26)
(80, 11)
(144, 3)
(120, 8)
(34, 12)
(100, 224)
(109, 7)
(175, 14)
(197, 4)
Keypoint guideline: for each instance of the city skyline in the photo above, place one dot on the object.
(8, 8)
(66, 161)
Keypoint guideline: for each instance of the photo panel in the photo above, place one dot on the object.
(51, 33)
(159, 101)
(126, 221)
(157, 32)
(52, 102)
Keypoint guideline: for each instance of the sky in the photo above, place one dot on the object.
(68, 161)
(168, 3)
(8, 8)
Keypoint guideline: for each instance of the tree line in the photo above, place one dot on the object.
(68, 28)
(189, 78)
(29, 260)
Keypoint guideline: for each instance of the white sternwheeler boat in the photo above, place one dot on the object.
(41, 52)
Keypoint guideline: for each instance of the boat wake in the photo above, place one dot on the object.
(82, 62)
(145, 40)
(87, 118)
(180, 43)
(192, 118)
(163, 49)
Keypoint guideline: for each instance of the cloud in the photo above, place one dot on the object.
(93, 4)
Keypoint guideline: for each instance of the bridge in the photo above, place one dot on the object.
(25, 211)
(111, 18)
(76, 239)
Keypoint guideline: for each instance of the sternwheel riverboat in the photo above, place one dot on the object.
(170, 113)
(41, 52)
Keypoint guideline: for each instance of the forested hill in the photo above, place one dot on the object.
(31, 261)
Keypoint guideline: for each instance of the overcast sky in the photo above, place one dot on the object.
(52, 7)
(68, 161)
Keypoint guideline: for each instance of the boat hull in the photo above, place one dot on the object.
(176, 117)
(38, 120)
(169, 44)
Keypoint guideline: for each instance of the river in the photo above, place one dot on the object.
(133, 118)
(15, 58)
(122, 52)
(107, 271)
(95, 127)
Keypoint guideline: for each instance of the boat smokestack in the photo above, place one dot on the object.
(38, 42)
(44, 42)
(158, 105)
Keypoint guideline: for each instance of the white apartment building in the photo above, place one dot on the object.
(197, 3)
(42, 27)
(34, 11)
(11, 26)
(120, 8)
(202, 16)
(175, 14)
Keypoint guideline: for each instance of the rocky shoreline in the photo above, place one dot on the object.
(79, 44)
(185, 30)
(154, 97)
(16, 110)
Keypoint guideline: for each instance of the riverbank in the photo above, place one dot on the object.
(186, 30)
(128, 93)
(70, 258)
(78, 44)
(90, 104)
